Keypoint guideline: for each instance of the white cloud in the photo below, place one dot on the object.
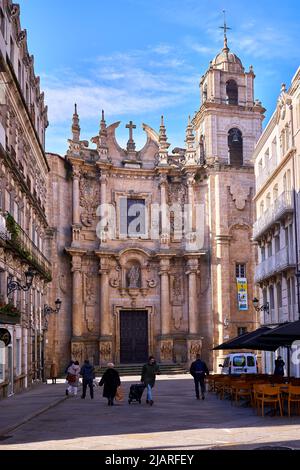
(136, 82)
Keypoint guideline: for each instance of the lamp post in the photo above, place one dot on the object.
(12, 285)
(47, 311)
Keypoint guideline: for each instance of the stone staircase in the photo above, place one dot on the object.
(136, 369)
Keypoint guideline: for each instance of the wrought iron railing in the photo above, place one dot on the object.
(282, 205)
(18, 240)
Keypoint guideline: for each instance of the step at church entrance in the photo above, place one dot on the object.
(133, 336)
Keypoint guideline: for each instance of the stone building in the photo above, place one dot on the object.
(276, 230)
(135, 279)
(23, 224)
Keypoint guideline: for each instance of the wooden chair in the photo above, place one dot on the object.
(256, 391)
(241, 390)
(295, 381)
(293, 397)
(269, 395)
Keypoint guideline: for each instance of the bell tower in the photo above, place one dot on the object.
(227, 127)
(229, 121)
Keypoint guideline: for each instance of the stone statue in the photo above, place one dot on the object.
(134, 276)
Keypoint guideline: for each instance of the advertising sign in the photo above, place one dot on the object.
(242, 293)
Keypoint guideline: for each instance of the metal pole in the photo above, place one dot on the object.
(289, 361)
(296, 241)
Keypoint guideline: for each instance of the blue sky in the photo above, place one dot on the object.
(138, 59)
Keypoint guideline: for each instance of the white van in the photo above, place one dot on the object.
(239, 363)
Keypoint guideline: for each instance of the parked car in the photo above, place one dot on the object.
(239, 363)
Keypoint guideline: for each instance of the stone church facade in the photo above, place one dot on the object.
(147, 245)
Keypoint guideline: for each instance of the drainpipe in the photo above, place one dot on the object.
(295, 215)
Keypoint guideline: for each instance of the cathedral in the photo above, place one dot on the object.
(152, 248)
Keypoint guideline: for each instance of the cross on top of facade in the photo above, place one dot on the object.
(130, 143)
(130, 126)
(225, 28)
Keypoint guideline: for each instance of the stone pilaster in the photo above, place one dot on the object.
(165, 222)
(165, 308)
(105, 343)
(192, 265)
(76, 195)
(77, 299)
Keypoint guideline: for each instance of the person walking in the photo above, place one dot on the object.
(111, 381)
(198, 370)
(53, 373)
(279, 366)
(73, 379)
(148, 377)
(66, 373)
(87, 372)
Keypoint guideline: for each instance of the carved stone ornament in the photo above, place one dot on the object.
(89, 200)
(77, 352)
(152, 283)
(177, 289)
(195, 348)
(166, 351)
(105, 352)
(240, 194)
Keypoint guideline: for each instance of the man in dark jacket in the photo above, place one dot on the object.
(199, 370)
(88, 374)
(149, 372)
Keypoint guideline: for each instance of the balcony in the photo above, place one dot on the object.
(266, 172)
(18, 241)
(282, 260)
(281, 207)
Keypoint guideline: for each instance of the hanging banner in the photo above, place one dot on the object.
(242, 293)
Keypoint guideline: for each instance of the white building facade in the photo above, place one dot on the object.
(276, 230)
(23, 224)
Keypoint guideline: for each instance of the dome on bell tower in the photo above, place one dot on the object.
(228, 61)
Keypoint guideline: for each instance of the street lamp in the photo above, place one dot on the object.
(48, 310)
(263, 308)
(15, 285)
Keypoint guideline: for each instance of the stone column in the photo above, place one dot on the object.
(190, 194)
(192, 265)
(76, 195)
(77, 301)
(105, 329)
(165, 309)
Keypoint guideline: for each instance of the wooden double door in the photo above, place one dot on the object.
(133, 336)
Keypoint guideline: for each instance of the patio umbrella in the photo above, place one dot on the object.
(283, 335)
(247, 339)
(287, 331)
